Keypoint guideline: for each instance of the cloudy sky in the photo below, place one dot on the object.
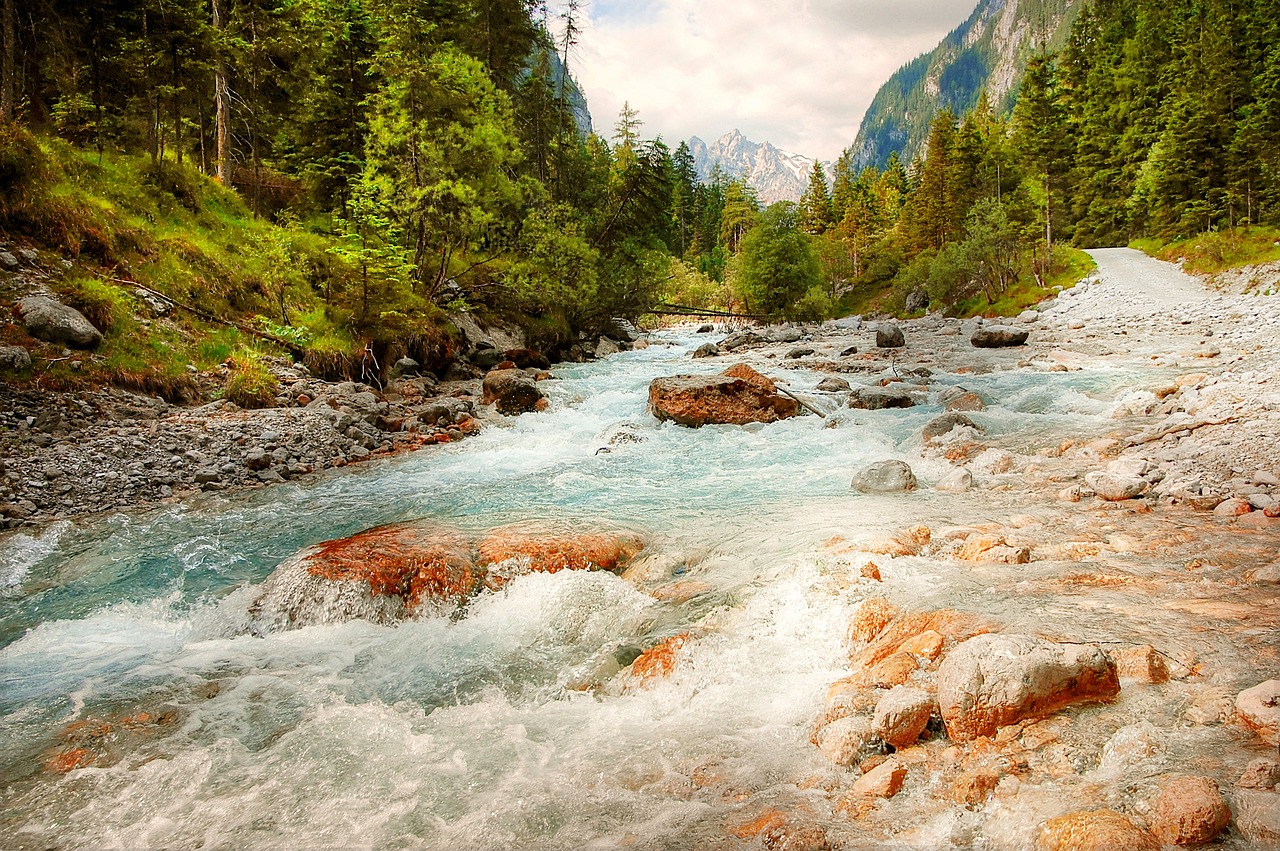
(797, 73)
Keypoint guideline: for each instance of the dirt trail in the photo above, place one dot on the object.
(1133, 283)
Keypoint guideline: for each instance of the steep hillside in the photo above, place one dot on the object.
(775, 174)
(988, 51)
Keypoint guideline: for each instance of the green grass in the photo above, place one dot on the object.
(1070, 265)
(123, 219)
(1218, 251)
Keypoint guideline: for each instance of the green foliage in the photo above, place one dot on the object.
(778, 266)
(251, 384)
(104, 304)
(1217, 251)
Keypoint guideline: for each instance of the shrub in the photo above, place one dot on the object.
(251, 385)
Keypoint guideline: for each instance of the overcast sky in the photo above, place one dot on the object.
(797, 73)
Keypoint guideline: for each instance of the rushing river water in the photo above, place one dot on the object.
(476, 732)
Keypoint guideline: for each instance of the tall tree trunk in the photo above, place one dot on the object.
(222, 99)
(8, 60)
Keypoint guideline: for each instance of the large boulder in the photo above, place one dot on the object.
(991, 681)
(55, 322)
(14, 358)
(512, 391)
(880, 398)
(1114, 487)
(737, 396)
(998, 337)
(885, 477)
(380, 575)
(890, 336)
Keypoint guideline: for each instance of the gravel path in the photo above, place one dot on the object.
(1132, 284)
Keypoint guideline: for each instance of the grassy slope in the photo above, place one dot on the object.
(120, 219)
(1219, 251)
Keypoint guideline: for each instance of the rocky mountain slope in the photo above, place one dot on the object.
(775, 174)
(989, 51)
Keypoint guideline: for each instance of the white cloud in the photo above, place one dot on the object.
(799, 74)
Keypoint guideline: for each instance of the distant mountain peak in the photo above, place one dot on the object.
(775, 174)
(989, 51)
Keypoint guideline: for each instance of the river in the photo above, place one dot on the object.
(509, 726)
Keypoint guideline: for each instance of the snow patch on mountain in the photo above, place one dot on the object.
(775, 174)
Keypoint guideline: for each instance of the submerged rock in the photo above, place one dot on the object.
(885, 477)
(1094, 830)
(507, 553)
(738, 396)
(707, 350)
(991, 681)
(832, 384)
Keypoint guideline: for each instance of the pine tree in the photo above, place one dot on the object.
(816, 214)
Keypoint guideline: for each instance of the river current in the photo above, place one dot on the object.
(505, 727)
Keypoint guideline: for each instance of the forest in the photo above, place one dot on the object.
(348, 172)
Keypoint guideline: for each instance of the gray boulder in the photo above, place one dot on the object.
(890, 336)
(785, 334)
(917, 300)
(405, 366)
(802, 352)
(706, 329)
(943, 425)
(998, 337)
(880, 398)
(1114, 487)
(9, 262)
(14, 358)
(607, 347)
(885, 477)
(740, 339)
(707, 350)
(991, 681)
(831, 384)
(55, 322)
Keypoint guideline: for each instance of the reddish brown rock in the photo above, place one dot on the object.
(991, 681)
(512, 391)
(883, 781)
(902, 715)
(911, 633)
(658, 661)
(506, 553)
(1141, 663)
(887, 673)
(1094, 830)
(1189, 811)
(738, 396)
(873, 615)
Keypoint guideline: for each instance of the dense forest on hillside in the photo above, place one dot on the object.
(385, 164)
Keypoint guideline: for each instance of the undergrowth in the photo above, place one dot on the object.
(1217, 251)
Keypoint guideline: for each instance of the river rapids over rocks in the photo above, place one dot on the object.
(1017, 653)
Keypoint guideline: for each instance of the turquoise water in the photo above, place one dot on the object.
(509, 727)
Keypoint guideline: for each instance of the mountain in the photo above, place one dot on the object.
(988, 51)
(775, 174)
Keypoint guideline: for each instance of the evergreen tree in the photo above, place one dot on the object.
(816, 214)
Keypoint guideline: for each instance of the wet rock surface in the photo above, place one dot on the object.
(737, 396)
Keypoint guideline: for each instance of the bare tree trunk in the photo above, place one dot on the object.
(8, 59)
(222, 99)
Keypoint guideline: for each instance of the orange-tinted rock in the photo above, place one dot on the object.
(737, 396)
(659, 660)
(1259, 708)
(927, 645)
(69, 759)
(872, 616)
(951, 625)
(973, 786)
(991, 681)
(883, 781)
(902, 715)
(870, 571)
(410, 561)
(1141, 663)
(978, 544)
(844, 698)
(512, 390)
(1189, 811)
(846, 740)
(1095, 830)
(887, 673)
(506, 553)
